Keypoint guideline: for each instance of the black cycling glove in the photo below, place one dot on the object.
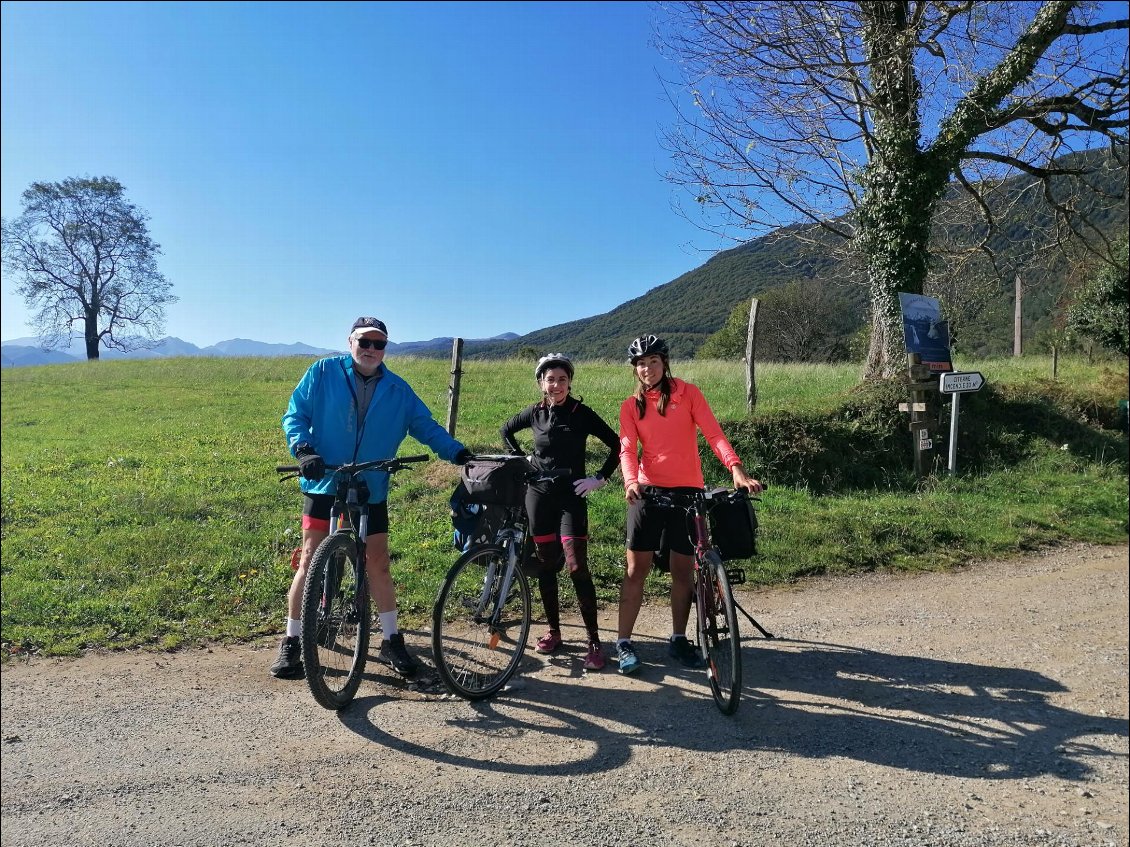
(311, 465)
(463, 457)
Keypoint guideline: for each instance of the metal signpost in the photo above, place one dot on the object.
(958, 384)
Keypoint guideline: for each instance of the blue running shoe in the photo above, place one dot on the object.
(626, 656)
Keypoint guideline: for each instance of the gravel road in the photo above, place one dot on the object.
(982, 707)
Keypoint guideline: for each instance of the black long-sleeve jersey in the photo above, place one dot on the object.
(560, 433)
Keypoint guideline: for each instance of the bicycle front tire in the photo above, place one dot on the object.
(335, 622)
(718, 633)
(478, 637)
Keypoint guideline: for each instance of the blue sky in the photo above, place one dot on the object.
(453, 168)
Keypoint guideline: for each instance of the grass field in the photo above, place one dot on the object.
(140, 504)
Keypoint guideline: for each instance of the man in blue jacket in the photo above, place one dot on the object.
(354, 409)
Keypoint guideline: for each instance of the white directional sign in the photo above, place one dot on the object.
(961, 383)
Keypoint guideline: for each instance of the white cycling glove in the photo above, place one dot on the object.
(585, 487)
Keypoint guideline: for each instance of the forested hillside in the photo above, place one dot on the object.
(690, 308)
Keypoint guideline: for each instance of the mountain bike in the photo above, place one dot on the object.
(481, 618)
(716, 611)
(336, 618)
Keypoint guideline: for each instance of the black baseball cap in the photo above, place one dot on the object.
(363, 325)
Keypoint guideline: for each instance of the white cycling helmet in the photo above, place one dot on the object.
(553, 360)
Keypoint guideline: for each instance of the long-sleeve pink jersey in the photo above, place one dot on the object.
(670, 442)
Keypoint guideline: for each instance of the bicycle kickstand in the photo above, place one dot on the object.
(750, 618)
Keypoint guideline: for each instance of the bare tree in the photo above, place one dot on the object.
(84, 260)
(859, 115)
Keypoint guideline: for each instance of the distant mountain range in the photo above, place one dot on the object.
(20, 352)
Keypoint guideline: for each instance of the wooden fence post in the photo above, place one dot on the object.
(1018, 319)
(750, 351)
(453, 386)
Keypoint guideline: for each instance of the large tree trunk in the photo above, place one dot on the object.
(897, 260)
(91, 337)
(899, 195)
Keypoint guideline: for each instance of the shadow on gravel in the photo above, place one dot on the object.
(918, 714)
(802, 698)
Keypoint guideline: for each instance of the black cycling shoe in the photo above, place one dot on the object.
(393, 652)
(289, 663)
(680, 648)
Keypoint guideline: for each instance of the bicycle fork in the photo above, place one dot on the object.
(332, 584)
(496, 588)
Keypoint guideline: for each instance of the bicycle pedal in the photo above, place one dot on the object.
(736, 576)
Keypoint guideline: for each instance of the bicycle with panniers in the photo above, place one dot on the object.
(482, 614)
(730, 515)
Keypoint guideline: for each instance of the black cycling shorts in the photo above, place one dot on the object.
(653, 527)
(556, 511)
(316, 514)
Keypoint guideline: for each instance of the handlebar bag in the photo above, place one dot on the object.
(733, 527)
(499, 481)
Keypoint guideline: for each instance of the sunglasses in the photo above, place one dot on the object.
(374, 343)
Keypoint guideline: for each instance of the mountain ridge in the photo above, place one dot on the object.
(26, 351)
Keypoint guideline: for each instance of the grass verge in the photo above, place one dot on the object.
(140, 506)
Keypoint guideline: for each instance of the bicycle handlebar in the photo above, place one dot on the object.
(390, 465)
(688, 500)
(546, 475)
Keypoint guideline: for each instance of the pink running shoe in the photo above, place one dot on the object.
(549, 642)
(595, 660)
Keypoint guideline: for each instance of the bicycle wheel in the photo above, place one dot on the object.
(718, 633)
(335, 622)
(478, 636)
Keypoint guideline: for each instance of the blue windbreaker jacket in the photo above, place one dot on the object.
(323, 412)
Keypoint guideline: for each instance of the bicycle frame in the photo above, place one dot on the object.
(350, 506)
(700, 530)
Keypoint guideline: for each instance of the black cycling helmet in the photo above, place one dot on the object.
(554, 360)
(647, 345)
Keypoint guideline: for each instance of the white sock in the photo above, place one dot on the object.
(293, 627)
(622, 641)
(675, 635)
(388, 623)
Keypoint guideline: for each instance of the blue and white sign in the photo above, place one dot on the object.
(925, 331)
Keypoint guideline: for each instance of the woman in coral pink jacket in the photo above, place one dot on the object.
(659, 426)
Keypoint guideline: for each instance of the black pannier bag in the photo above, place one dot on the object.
(473, 523)
(733, 527)
(500, 481)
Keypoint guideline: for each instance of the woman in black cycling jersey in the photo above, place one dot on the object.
(558, 512)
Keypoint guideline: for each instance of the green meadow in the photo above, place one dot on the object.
(141, 506)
